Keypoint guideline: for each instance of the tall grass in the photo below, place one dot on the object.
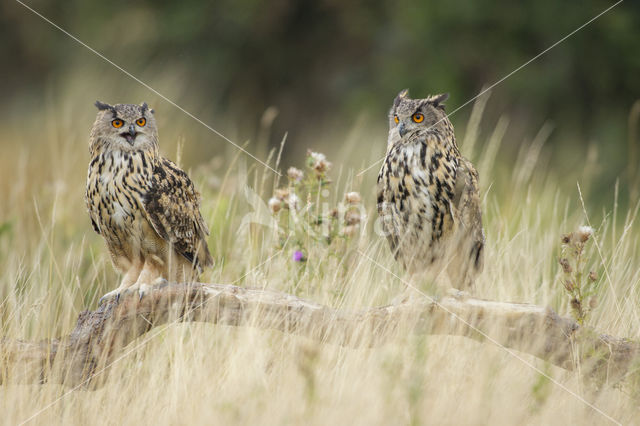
(53, 266)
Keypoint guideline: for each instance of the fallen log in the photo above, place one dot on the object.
(83, 357)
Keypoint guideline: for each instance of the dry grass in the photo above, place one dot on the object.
(54, 266)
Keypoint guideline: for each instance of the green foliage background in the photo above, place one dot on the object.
(326, 64)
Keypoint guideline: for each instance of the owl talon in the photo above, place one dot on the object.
(111, 296)
(143, 290)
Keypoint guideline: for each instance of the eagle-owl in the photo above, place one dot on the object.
(428, 194)
(144, 206)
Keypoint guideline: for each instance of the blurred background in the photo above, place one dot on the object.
(320, 71)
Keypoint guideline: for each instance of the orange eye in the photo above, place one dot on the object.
(418, 118)
(141, 121)
(396, 119)
(117, 123)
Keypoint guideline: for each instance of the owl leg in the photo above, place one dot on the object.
(129, 279)
(152, 273)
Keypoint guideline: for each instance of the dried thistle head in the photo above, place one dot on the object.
(352, 218)
(275, 204)
(352, 197)
(282, 194)
(569, 285)
(566, 267)
(576, 304)
(294, 174)
(584, 233)
(293, 202)
(318, 162)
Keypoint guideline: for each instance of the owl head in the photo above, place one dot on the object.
(124, 127)
(408, 115)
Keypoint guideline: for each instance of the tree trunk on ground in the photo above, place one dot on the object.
(84, 356)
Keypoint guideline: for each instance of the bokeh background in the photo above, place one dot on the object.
(324, 74)
(318, 70)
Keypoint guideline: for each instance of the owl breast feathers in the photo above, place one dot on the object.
(428, 194)
(144, 206)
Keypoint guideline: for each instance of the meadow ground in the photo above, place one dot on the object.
(54, 266)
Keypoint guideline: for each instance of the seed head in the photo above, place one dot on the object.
(275, 205)
(352, 197)
(293, 202)
(352, 218)
(569, 285)
(575, 304)
(294, 174)
(318, 162)
(282, 194)
(584, 232)
(566, 267)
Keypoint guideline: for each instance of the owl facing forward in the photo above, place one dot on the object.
(428, 194)
(142, 204)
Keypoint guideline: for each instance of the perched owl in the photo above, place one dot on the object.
(428, 194)
(142, 204)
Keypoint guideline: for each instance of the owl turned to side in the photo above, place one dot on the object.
(142, 204)
(428, 194)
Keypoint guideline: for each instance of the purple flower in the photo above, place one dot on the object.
(298, 256)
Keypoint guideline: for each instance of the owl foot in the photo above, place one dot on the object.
(144, 289)
(113, 295)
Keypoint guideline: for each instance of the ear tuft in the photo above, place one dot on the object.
(102, 106)
(144, 107)
(402, 95)
(439, 100)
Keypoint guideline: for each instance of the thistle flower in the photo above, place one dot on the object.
(318, 162)
(569, 285)
(275, 205)
(352, 218)
(298, 256)
(293, 202)
(294, 174)
(282, 194)
(566, 267)
(584, 232)
(352, 197)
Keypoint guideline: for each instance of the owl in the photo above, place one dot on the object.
(428, 194)
(143, 205)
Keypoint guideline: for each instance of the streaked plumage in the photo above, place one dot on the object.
(428, 193)
(144, 206)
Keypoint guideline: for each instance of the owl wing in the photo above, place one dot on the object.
(466, 205)
(172, 206)
(384, 208)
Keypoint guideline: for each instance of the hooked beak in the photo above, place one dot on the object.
(402, 130)
(130, 136)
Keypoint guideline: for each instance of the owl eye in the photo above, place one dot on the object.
(396, 119)
(418, 118)
(117, 123)
(141, 121)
